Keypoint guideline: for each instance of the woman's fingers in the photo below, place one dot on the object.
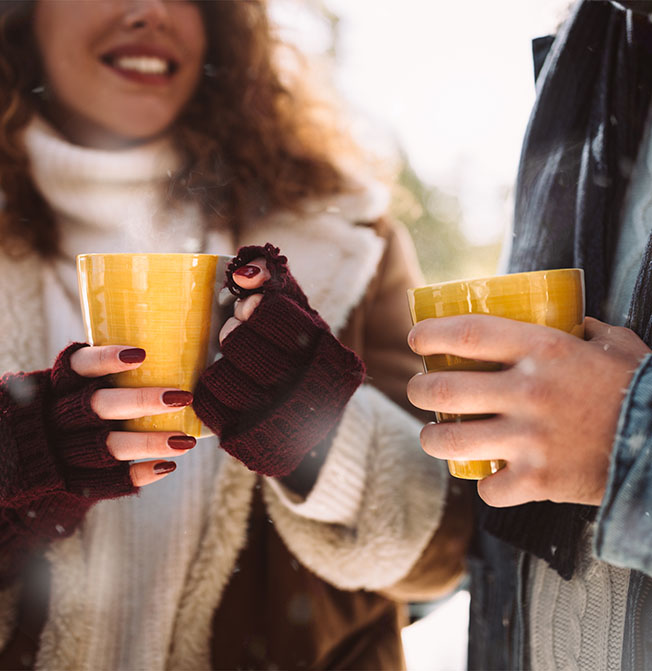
(229, 325)
(244, 308)
(131, 445)
(145, 472)
(124, 403)
(155, 446)
(253, 275)
(106, 359)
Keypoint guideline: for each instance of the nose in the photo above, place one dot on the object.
(146, 14)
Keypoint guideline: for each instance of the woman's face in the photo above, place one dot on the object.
(118, 72)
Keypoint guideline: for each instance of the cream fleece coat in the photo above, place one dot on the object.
(376, 504)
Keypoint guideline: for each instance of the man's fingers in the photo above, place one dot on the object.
(461, 392)
(511, 486)
(145, 472)
(594, 328)
(486, 438)
(253, 275)
(123, 403)
(131, 445)
(485, 337)
(106, 359)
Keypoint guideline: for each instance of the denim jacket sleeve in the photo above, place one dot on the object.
(624, 523)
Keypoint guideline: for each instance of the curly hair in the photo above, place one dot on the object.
(250, 141)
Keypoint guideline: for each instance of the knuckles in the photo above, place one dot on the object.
(535, 393)
(430, 391)
(466, 332)
(552, 345)
(439, 390)
(141, 398)
(442, 439)
(449, 436)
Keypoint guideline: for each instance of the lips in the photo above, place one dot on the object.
(145, 64)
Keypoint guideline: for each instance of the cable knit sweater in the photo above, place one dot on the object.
(138, 584)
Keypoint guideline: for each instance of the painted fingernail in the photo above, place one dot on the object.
(247, 271)
(132, 355)
(181, 442)
(177, 399)
(164, 467)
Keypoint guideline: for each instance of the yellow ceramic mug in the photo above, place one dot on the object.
(552, 298)
(164, 303)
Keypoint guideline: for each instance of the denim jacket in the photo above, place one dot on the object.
(498, 637)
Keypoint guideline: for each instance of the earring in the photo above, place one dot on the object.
(210, 70)
(41, 91)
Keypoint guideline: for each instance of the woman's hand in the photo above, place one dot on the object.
(555, 405)
(283, 380)
(123, 403)
(251, 276)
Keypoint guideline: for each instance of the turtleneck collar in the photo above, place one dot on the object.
(106, 201)
(111, 201)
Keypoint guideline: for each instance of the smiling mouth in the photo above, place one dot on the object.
(141, 65)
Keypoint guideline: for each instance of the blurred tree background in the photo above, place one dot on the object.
(432, 216)
(434, 221)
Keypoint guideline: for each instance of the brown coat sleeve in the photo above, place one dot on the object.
(377, 330)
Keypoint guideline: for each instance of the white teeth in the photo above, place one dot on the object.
(149, 65)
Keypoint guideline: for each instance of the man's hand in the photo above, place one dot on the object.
(555, 404)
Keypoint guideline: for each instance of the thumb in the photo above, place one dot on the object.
(594, 329)
(615, 338)
(252, 275)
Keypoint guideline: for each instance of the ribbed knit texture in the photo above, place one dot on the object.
(55, 461)
(578, 153)
(283, 379)
(577, 625)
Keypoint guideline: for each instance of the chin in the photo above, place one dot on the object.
(116, 136)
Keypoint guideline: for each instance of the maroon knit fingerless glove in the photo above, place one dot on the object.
(283, 380)
(54, 463)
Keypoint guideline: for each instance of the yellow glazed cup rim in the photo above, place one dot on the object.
(126, 254)
(505, 278)
(499, 278)
(539, 285)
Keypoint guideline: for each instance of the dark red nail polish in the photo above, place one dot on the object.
(132, 355)
(247, 271)
(177, 399)
(164, 467)
(181, 442)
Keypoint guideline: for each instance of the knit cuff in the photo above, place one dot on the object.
(289, 324)
(337, 494)
(260, 360)
(29, 468)
(73, 412)
(64, 378)
(275, 443)
(90, 470)
(50, 517)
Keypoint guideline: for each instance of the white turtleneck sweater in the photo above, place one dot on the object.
(106, 201)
